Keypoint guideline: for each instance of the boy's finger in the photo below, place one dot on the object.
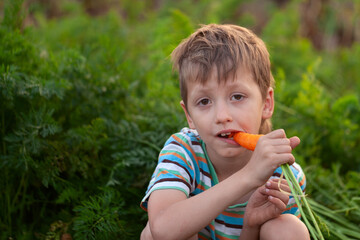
(276, 180)
(283, 149)
(282, 158)
(277, 194)
(278, 133)
(294, 141)
(275, 185)
(284, 187)
(279, 204)
(280, 141)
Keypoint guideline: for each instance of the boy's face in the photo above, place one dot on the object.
(217, 109)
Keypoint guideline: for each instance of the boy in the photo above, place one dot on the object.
(206, 186)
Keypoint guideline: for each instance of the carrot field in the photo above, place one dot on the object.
(88, 98)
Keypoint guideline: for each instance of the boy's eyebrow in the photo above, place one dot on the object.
(202, 89)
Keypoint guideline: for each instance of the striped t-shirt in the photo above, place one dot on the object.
(184, 165)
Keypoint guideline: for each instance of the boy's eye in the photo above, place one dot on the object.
(204, 101)
(237, 97)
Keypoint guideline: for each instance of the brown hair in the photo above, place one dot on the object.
(226, 47)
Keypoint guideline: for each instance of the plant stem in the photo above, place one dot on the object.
(3, 132)
(297, 192)
(6, 173)
(298, 202)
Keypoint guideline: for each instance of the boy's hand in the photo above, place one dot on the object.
(266, 203)
(272, 150)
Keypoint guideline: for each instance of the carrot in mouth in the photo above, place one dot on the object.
(247, 140)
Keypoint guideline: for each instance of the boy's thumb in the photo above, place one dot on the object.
(294, 141)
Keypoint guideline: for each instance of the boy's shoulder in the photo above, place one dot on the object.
(186, 136)
(187, 140)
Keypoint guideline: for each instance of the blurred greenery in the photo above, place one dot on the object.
(88, 98)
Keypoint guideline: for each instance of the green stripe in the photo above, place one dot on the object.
(202, 234)
(170, 171)
(180, 153)
(204, 185)
(200, 154)
(211, 167)
(239, 205)
(173, 151)
(169, 187)
(182, 137)
(290, 205)
(236, 212)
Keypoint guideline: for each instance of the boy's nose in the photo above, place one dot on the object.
(223, 114)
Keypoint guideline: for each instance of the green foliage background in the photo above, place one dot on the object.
(88, 97)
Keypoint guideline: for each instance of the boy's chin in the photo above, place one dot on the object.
(232, 153)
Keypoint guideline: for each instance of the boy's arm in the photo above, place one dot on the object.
(174, 216)
(146, 234)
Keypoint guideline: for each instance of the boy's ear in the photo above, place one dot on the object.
(268, 108)
(188, 118)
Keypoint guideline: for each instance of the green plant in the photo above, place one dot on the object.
(100, 217)
(87, 102)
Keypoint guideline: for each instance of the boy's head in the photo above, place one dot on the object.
(227, 48)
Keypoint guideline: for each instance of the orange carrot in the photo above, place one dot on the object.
(247, 140)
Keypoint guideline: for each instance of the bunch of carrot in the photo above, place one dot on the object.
(249, 141)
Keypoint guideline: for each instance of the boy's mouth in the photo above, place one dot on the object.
(228, 135)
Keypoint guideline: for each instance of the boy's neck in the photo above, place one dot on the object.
(225, 167)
